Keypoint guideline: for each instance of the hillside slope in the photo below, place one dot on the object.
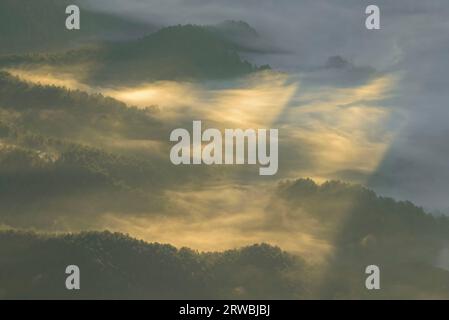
(117, 266)
(174, 53)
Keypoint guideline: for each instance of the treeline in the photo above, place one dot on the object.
(73, 114)
(116, 266)
(52, 162)
(364, 228)
(187, 52)
(364, 209)
(68, 153)
(43, 177)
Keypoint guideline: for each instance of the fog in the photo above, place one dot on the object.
(327, 132)
(88, 149)
(412, 42)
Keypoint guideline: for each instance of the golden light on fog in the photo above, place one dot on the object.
(254, 103)
(341, 128)
(336, 127)
(51, 77)
(222, 218)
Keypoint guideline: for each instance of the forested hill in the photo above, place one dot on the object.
(172, 53)
(364, 228)
(54, 155)
(117, 266)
